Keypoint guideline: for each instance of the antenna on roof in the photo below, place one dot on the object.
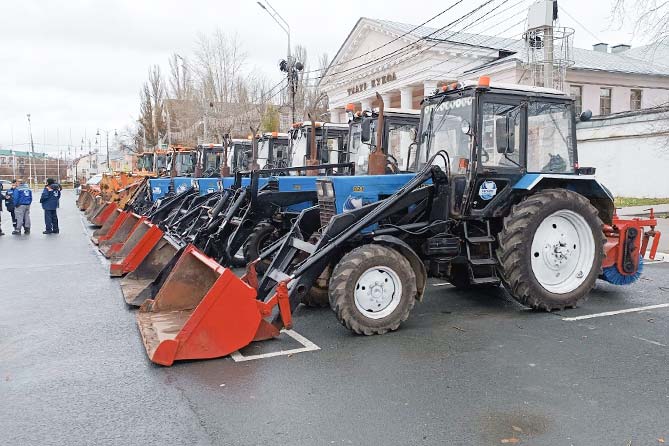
(548, 47)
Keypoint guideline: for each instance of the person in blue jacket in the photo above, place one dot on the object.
(50, 200)
(22, 197)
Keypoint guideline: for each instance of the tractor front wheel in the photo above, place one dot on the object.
(551, 249)
(372, 289)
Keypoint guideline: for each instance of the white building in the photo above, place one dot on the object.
(416, 63)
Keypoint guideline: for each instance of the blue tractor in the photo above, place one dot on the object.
(497, 198)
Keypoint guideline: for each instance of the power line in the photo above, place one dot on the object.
(391, 41)
(413, 44)
(598, 39)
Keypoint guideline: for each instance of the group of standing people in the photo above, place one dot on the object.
(18, 199)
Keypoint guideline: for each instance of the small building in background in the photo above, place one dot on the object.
(35, 168)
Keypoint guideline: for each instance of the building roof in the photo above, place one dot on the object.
(648, 60)
(19, 153)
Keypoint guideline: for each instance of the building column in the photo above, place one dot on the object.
(429, 87)
(366, 104)
(406, 98)
(338, 115)
(386, 99)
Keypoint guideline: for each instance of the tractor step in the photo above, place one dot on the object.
(485, 281)
(482, 262)
(482, 239)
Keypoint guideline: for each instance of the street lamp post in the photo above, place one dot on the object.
(290, 66)
(32, 152)
(107, 136)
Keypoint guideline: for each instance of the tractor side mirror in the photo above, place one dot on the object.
(505, 135)
(366, 130)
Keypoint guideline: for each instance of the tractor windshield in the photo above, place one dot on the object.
(211, 161)
(446, 125)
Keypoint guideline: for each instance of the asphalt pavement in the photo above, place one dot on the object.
(467, 368)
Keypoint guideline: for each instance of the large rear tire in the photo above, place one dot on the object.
(551, 249)
(372, 289)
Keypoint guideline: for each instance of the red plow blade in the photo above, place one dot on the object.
(113, 244)
(108, 226)
(135, 249)
(103, 214)
(204, 311)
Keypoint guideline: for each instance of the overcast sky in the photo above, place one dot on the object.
(78, 65)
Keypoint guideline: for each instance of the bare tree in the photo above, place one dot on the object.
(181, 82)
(651, 16)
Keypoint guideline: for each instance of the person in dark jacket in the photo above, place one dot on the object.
(22, 197)
(9, 202)
(2, 198)
(50, 200)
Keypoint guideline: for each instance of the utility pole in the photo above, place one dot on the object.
(290, 66)
(32, 151)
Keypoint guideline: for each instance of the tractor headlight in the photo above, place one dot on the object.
(319, 189)
(328, 190)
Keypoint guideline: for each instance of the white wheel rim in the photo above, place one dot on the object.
(563, 251)
(378, 292)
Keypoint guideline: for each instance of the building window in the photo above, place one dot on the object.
(604, 101)
(635, 99)
(576, 92)
(2, 160)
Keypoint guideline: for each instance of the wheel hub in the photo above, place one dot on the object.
(562, 251)
(377, 292)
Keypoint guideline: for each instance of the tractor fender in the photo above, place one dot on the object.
(413, 258)
(587, 185)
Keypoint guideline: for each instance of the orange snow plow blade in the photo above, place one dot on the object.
(135, 249)
(204, 311)
(103, 213)
(109, 225)
(137, 286)
(114, 243)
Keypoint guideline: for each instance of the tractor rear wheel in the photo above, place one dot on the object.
(372, 289)
(551, 249)
(263, 235)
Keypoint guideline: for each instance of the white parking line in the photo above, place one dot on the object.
(308, 347)
(442, 284)
(613, 313)
(649, 341)
(660, 257)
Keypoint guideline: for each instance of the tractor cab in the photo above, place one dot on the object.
(495, 136)
(238, 154)
(331, 143)
(182, 160)
(210, 157)
(145, 163)
(272, 150)
(399, 131)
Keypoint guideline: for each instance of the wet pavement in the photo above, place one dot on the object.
(468, 368)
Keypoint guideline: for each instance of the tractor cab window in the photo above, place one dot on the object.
(184, 163)
(359, 151)
(500, 138)
(400, 138)
(279, 152)
(263, 152)
(446, 125)
(550, 145)
(333, 149)
(210, 161)
(298, 147)
(161, 162)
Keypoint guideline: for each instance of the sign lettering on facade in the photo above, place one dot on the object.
(376, 82)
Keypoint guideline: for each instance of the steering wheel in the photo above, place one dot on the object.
(392, 164)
